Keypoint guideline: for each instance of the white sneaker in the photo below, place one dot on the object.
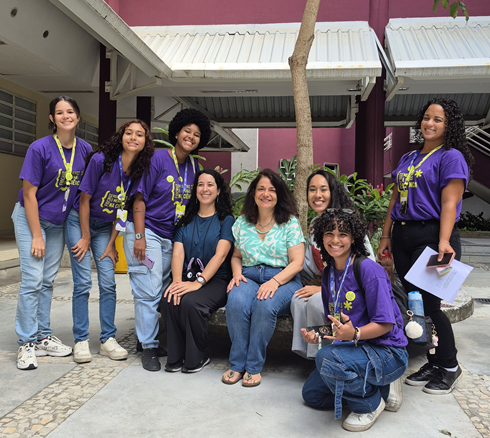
(82, 352)
(113, 350)
(52, 346)
(395, 398)
(26, 357)
(359, 422)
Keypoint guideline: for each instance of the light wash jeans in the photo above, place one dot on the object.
(251, 322)
(100, 234)
(359, 375)
(32, 322)
(148, 284)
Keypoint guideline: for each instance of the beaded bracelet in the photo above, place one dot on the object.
(443, 241)
(357, 336)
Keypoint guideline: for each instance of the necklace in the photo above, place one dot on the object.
(265, 226)
(261, 232)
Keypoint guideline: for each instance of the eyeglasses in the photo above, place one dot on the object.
(343, 210)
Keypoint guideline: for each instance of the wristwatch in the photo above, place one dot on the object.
(201, 280)
(139, 236)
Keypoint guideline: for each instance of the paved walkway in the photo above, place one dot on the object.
(113, 399)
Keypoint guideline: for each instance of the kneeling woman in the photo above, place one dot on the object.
(269, 245)
(368, 352)
(200, 272)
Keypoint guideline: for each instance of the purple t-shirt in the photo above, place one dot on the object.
(103, 187)
(376, 304)
(162, 192)
(426, 184)
(44, 169)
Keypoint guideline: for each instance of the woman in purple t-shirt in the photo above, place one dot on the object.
(159, 202)
(112, 169)
(368, 350)
(426, 203)
(50, 175)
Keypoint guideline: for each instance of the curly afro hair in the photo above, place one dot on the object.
(112, 148)
(186, 117)
(343, 221)
(454, 134)
(222, 203)
(339, 197)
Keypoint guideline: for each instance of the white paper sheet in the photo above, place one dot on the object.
(443, 286)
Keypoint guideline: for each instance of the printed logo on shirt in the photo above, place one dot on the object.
(346, 305)
(61, 179)
(110, 200)
(402, 177)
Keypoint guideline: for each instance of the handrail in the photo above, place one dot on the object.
(478, 138)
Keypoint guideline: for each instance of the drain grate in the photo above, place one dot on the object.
(482, 300)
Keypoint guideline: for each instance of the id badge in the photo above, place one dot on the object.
(65, 199)
(122, 217)
(403, 196)
(179, 211)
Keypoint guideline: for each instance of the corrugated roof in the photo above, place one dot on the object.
(339, 50)
(441, 47)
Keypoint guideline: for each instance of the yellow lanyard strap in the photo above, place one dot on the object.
(411, 169)
(68, 167)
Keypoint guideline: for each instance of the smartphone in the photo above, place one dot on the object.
(446, 260)
(148, 261)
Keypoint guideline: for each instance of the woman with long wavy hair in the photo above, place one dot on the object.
(423, 211)
(200, 272)
(111, 171)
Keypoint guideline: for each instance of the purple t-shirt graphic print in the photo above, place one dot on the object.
(162, 192)
(104, 187)
(44, 169)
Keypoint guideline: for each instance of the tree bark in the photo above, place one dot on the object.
(304, 135)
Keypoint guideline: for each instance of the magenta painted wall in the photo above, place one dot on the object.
(221, 159)
(331, 145)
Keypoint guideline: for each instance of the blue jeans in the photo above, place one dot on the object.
(251, 322)
(32, 322)
(148, 284)
(360, 376)
(100, 234)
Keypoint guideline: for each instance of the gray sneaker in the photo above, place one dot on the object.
(26, 357)
(82, 352)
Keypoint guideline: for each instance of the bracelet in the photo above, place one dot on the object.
(357, 336)
(385, 237)
(276, 280)
(443, 241)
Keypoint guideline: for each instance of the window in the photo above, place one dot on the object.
(88, 132)
(17, 124)
(332, 166)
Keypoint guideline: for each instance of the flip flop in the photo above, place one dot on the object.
(248, 377)
(230, 374)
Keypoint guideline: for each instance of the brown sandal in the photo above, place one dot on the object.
(228, 377)
(247, 380)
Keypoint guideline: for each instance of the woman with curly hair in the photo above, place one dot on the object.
(268, 256)
(423, 211)
(367, 352)
(101, 201)
(159, 202)
(51, 174)
(200, 272)
(323, 190)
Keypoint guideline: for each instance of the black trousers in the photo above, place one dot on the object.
(187, 324)
(409, 241)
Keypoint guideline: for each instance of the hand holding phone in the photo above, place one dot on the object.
(148, 261)
(446, 260)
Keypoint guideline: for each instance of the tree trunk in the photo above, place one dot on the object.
(304, 136)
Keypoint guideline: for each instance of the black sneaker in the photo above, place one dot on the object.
(201, 365)
(161, 352)
(150, 360)
(443, 381)
(174, 368)
(422, 376)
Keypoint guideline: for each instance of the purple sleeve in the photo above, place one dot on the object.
(33, 167)
(453, 166)
(92, 174)
(146, 183)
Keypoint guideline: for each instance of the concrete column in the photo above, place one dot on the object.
(107, 107)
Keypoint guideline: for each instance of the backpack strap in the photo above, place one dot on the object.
(357, 271)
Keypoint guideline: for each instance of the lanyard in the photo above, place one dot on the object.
(335, 296)
(122, 195)
(178, 173)
(68, 167)
(411, 169)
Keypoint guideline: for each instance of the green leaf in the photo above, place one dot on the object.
(165, 143)
(198, 157)
(436, 3)
(445, 3)
(161, 130)
(464, 10)
(453, 9)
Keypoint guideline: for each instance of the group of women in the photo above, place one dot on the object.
(187, 257)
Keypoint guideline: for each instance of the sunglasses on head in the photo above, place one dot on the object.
(336, 210)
